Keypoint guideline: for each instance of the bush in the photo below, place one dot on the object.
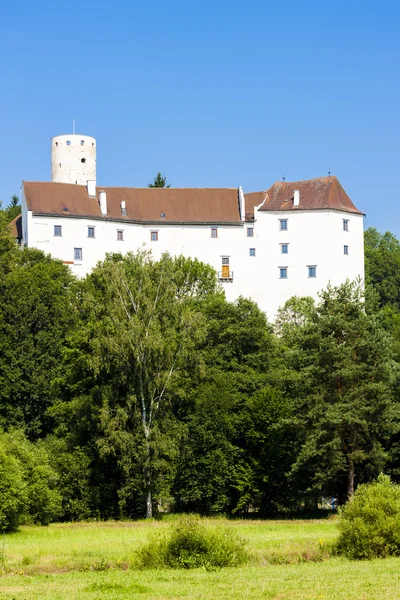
(189, 545)
(370, 522)
(12, 491)
(43, 501)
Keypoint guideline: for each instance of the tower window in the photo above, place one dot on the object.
(346, 250)
(284, 248)
(83, 160)
(82, 142)
(345, 225)
(283, 272)
(56, 143)
(68, 143)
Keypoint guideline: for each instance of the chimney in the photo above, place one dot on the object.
(91, 188)
(103, 202)
(296, 198)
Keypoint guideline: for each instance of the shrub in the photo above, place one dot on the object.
(189, 545)
(370, 522)
(43, 501)
(12, 491)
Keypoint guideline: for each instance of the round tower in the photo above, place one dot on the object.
(73, 158)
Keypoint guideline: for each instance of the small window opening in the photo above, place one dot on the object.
(250, 232)
(154, 236)
(283, 271)
(83, 160)
(82, 142)
(68, 143)
(312, 271)
(225, 260)
(90, 232)
(120, 235)
(284, 248)
(252, 251)
(65, 209)
(57, 230)
(162, 216)
(346, 250)
(56, 143)
(77, 253)
(345, 225)
(283, 224)
(214, 232)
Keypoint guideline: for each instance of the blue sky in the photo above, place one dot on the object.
(213, 94)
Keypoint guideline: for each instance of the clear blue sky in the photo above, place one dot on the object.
(210, 93)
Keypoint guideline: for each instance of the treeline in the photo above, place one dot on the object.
(141, 389)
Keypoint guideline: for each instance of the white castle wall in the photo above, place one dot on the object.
(73, 159)
(314, 238)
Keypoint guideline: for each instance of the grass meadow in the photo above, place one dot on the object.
(289, 560)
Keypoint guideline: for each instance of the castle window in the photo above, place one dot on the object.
(68, 143)
(346, 250)
(77, 253)
(284, 248)
(154, 236)
(56, 143)
(162, 216)
(250, 232)
(312, 271)
(83, 160)
(57, 230)
(283, 272)
(252, 251)
(283, 224)
(345, 225)
(120, 235)
(82, 142)
(90, 232)
(214, 232)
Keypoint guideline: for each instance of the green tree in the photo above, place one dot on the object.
(344, 402)
(139, 332)
(35, 316)
(159, 182)
(382, 266)
(12, 210)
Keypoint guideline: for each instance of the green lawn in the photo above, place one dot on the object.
(95, 561)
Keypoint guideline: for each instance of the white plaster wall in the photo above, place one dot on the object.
(66, 160)
(314, 238)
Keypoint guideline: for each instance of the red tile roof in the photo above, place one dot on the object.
(180, 205)
(315, 194)
(16, 227)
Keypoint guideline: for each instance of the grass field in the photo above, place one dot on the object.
(96, 561)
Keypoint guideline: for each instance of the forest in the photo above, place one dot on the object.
(140, 390)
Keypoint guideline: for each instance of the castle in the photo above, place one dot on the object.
(292, 239)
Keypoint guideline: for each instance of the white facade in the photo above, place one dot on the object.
(73, 159)
(329, 242)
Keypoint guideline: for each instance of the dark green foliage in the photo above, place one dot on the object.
(11, 211)
(382, 266)
(159, 182)
(35, 317)
(189, 545)
(12, 490)
(28, 484)
(370, 523)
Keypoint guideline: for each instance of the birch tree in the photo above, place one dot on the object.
(143, 327)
